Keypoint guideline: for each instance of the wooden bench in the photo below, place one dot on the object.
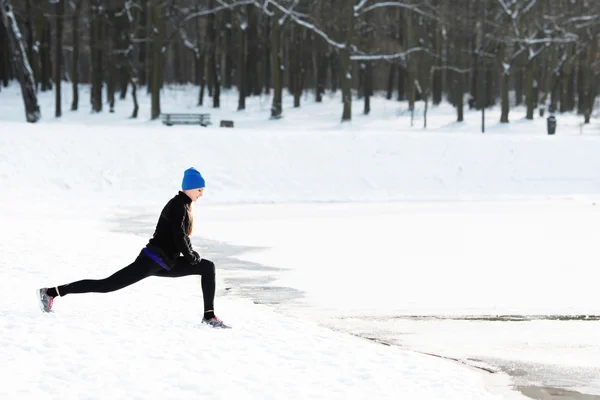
(171, 119)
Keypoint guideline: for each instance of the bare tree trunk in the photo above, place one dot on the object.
(262, 56)
(571, 90)
(390, 81)
(550, 65)
(96, 55)
(227, 47)
(111, 84)
(587, 113)
(201, 77)
(268, 74)
(133, 77)
(565, 78)
(29, 27)
(122, 43)
(133, 56)
(158, 24)
(45, 61)
(149, 53)
(411, 63)
(529, 92)
(59, 8)
(76, 47)
(460, 91)
(213, 61)
(200, 63)
(436, 83)
(20, 62)
(276, 107)
(458, 42)
(5, 65)
(504, 62)
(36, 57)
(368, 84)
(322, 61)
(333, 65)
(519, 85)
(588, 83)
(505, 104)
(345, 63)
(253, 56)
(555, 92)
(136, 106)
(346, 83)
(401, 83)
(241, 64)
(299, 64)
(124, 80)
(126, 48)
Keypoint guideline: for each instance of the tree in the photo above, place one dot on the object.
(276, 22)
(20, 62)
(59, 9)
(76, 6)
(97, 54)
(541, 54)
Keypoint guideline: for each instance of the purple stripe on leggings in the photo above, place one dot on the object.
(156, 258)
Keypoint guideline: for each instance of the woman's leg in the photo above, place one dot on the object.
(204, 268)
(141, 268)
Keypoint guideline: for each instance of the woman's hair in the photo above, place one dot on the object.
(190, 228)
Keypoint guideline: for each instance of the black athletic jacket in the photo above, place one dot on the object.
(170, 236)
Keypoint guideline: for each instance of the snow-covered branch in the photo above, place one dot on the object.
(534, 54)
(451, 68)
(548, 40)
(265, 8)
(355, 55)
(529, 6)
(197, 14)
(360, 5)
(307, 25)
(285, 16)
(583, 18)
(187, 43)
(412, 7)
(373, 57)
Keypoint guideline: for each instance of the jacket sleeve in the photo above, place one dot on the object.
(182, 241)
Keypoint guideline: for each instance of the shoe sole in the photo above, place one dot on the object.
(217, 326)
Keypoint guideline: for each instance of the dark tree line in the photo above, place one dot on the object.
(542, 54)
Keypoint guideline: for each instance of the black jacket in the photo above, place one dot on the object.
(170, 238)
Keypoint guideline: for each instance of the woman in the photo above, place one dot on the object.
(160, 257)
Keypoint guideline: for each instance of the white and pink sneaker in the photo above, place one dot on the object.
(45, 300)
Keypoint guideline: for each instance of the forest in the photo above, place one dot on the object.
(539, 54)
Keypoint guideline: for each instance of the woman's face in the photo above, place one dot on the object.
(194, 194)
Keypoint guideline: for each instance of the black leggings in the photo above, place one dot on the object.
(141, 268)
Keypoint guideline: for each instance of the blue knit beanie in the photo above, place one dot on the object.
(192, 179)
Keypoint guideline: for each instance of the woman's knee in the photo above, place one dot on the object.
(208, 267)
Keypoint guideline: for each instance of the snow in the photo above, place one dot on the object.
(146, 340)
(371, 223)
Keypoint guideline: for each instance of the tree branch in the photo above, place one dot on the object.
(412, 7)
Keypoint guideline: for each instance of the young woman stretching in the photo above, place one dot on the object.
(160, 257)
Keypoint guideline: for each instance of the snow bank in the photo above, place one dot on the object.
(278, 166)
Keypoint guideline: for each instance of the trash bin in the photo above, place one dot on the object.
(551, 125)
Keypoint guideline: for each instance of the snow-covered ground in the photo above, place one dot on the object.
(371, 222)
